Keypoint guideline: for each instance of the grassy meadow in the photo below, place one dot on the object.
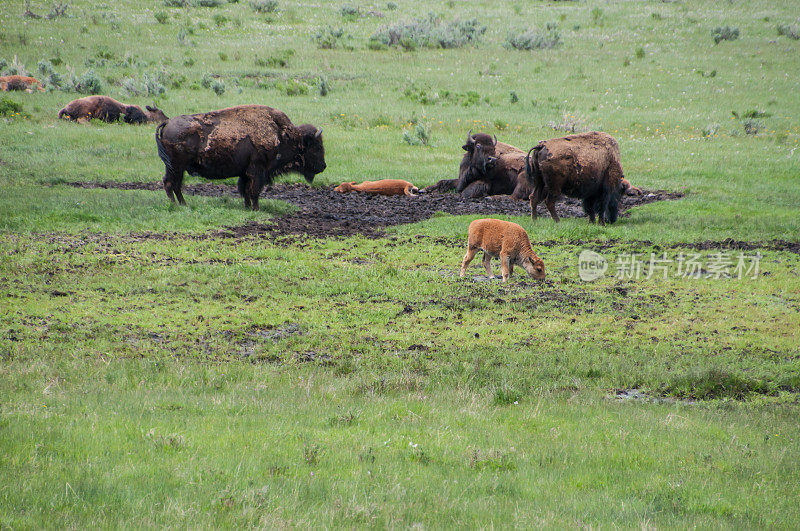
(154, 373)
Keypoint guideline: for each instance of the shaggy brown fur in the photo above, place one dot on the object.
(110, 110)
(382, 187)
(585, 166)
(488, 168)
(507, 240)
(20, 83)
(253, 142)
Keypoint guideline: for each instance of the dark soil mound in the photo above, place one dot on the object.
(323, 212)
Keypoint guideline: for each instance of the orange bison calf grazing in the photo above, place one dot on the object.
(20, 83)
(110, 110)
(507, 240)
(382, 187)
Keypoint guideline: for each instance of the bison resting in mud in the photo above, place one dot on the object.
(488, 168)
(585, 166)
(110, 110)
(382, 187)
(507, 240)
(253, 142)
(24, 83)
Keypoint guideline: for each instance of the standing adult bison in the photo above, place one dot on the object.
(585, 166)
(488, 168)
(110, 110)
(252, 142)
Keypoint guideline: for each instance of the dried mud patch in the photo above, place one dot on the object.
(323, 213)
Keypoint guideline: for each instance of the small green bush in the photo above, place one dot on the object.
(88, 83)
(10, 108)
(219, 19)
(430, 33)
(789, 30)
(208, 3)
(176, 3)
(218, 86)
(391, 6)
(724, 33)
(322, 86)
(206, 80)
(349, 12)
(264, 6)
(328, 38)
(419, 135)
(161, 17)
(531, 39)
(640, 52)
(279, 60)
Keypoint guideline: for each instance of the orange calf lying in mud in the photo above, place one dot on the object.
(382, 187)
(20, 83)
(507, 240)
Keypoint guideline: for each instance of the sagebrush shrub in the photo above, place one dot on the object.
(88, 83)
(724, 33)
(789, 30)
(430, 32)
(264, 6)
(329, 38)
(533, 39)
(218, 86)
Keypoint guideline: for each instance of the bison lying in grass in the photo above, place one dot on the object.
(23, 83)
(110, 110)
(252, 142)
(488, 168)
(585, 166)
(382, 187)
(507, 240)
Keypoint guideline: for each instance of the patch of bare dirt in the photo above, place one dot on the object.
(324, 213)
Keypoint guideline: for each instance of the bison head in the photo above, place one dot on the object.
(478, 161)
(156, 115)
(534, 266)
(312, 152)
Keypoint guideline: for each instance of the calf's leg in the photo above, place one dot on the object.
(487, 263)
(506, 267)
(467, 259)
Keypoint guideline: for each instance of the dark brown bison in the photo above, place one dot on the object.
(585, 166)
(252, 142)
(488, 168)
(110, 110)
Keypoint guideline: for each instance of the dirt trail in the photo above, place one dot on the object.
(324, 213)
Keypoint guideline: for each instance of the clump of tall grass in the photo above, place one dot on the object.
(419, 134)
(322, 86)
(431, 33)
(150, 85)
(724, 33)
(349, 12)
(161, 17)
(208, 3)
(48, 74)
(16, 68)
(329, 38)
(570, 123)
(278, 60)
(534, 39)
(176, 3)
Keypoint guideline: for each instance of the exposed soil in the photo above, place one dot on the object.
(324, 213)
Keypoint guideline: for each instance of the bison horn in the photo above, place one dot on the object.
(318, 134)
(470, 139)
(495, 140)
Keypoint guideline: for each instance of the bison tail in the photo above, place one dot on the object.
(162, 152)
(532, 172)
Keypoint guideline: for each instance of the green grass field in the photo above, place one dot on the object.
(154, 373)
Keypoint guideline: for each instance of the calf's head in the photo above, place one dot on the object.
(156, 115)
(534, 266)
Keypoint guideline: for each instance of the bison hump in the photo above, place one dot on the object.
(264, 126)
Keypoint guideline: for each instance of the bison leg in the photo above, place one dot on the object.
(487, 264)
(535, 198)
(173, 181)
(506, 267)
(467, 259)
(476, 190)
(242, 185)
(550, 203)
(588, 209)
